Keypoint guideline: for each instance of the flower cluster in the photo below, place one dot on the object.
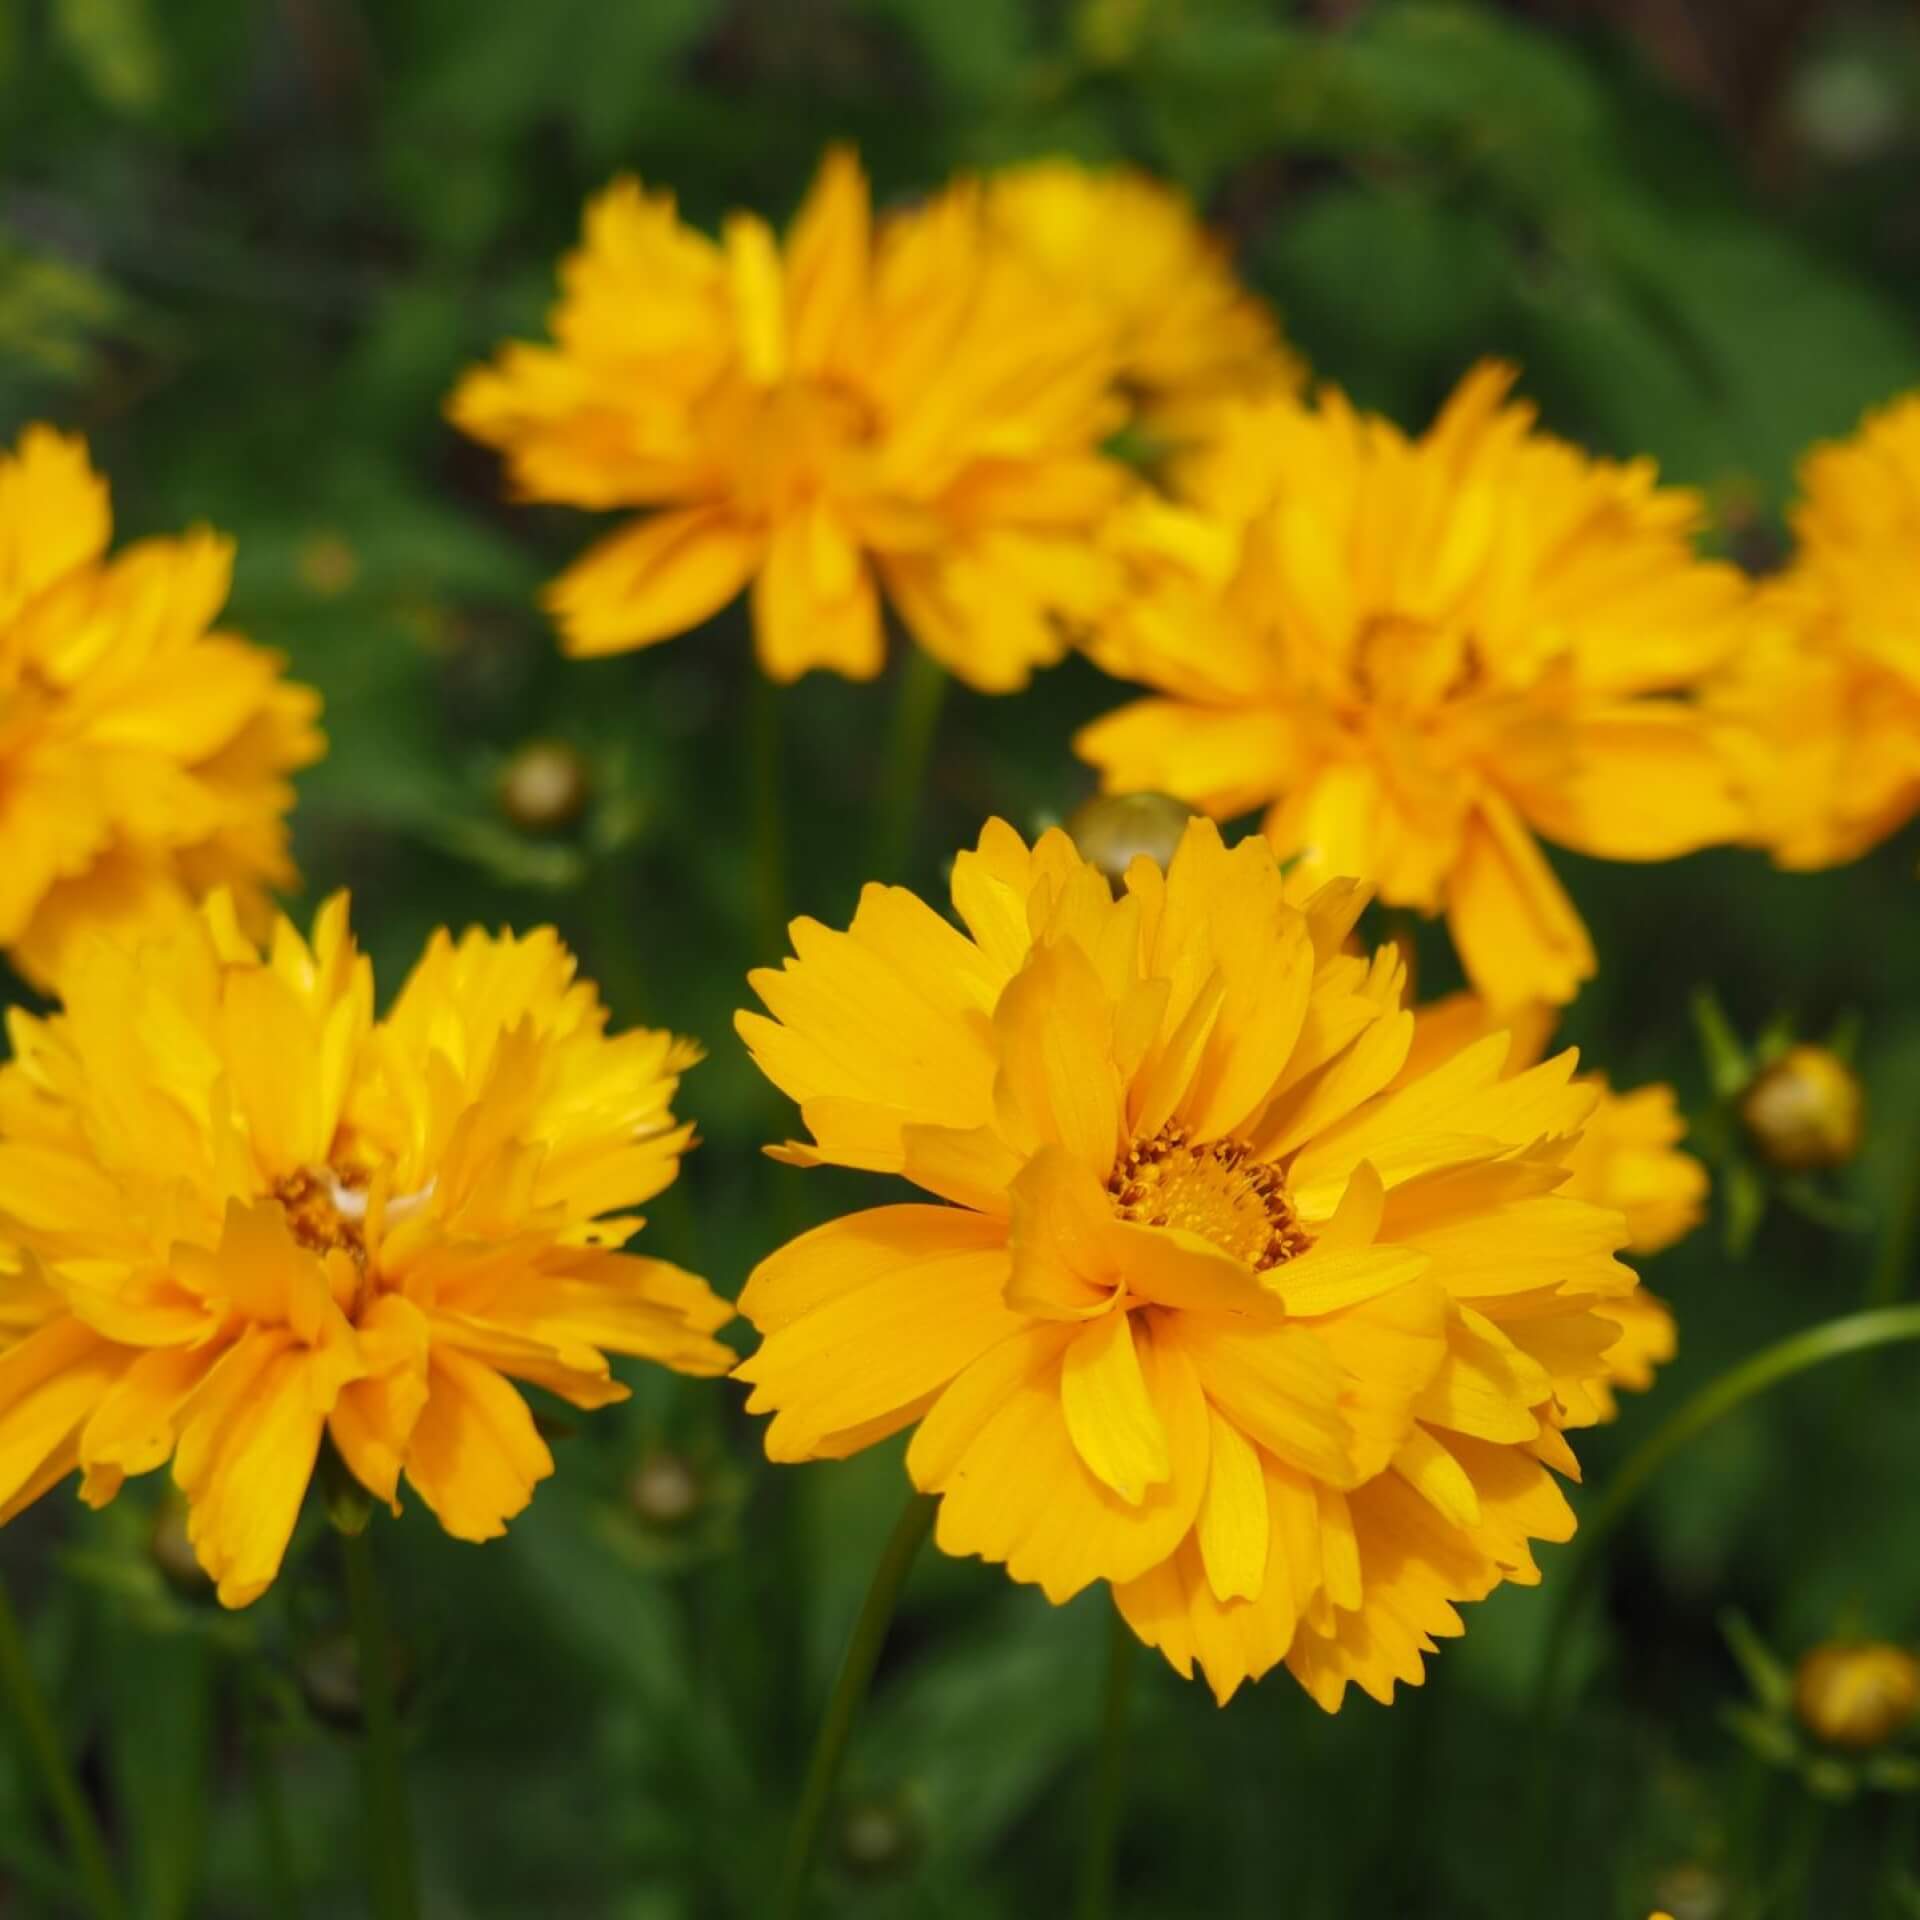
(246, 1214)
(144, 755)
(1229, 1306)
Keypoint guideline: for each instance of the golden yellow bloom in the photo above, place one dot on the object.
(143, 756)
(1857, 1693)
(1187, 334)
(1627, 1158)
(903, 406)
(1221, 1311)
(1419, 654)
(249, 1213)
(1826, 698)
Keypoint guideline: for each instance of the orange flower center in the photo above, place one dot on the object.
(312, 1204)
(1213, 1189)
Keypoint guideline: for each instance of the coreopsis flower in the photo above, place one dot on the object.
(1187, 334)
(901, 409)
(1422, 655)
(144, 753)
(1825, 700)
(1628, 1158)
(248, 1215)
(1205, 1300)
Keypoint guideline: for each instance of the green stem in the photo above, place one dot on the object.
(276, 1841)
(903, 775)
(1855, 1333)
(62, 1789)
(389, 1823)
(849, 1695)
(1888, 1280)
(1109, 1790)
(769, 824)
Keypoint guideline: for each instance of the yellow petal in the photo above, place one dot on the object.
(1112, 1421)
(652, 580)
(475, 1456)
(1232, 1527)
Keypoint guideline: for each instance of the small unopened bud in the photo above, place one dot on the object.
(1691, 1892)
(172, 1552)
(544, 787)
(1805, 1112)
(1112, 830)
(878, 1839)
(1856, 1693)
(328, 565)
(328, 1670)
(664, 1490)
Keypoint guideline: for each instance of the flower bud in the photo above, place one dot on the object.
(664, 1490)
(1805, 1112)
(1856, 1693)
(172, 1552)
(878, 1839)
(1691, 1892)
(545, 786)
(328, 1670)
(1113, 829)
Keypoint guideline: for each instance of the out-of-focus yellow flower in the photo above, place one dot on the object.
(248, 1214)
(1627, 1158)
(1220, 1310)
(1825, 700)
(1418, 655)
(1187, 334)
(1806, 1111)
(1856, 1693)
(144, 756)
(905, 407)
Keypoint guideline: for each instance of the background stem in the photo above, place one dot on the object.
(84, 1839)
(389, 1823)
(849, 1695)
(903, 774)
(769, 825)
(1854, 1333)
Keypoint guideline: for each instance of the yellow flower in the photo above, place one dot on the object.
(248, 1213)
(1627, 1158)
(1857, 1693)
(1826, 699)
(143, 756)
(1187, 334)
(1217, 1312)
(902, 407)
(1418, 655)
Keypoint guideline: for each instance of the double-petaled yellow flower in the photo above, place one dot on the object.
(1187, 335)
(1628, 1158)
(1419, 654)
(1825, 701)
(1210, 1300)
(904, 409)
(244, 1214)
(144, 755)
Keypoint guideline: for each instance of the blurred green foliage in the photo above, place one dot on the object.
(246, 247)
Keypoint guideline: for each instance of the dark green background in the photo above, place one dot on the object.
(247, 246)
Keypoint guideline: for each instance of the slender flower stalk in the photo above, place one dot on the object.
(849, 1695)
(1854, 1333)
(903, 777)
(390, 1858)
(1109, 1789)
(769, 821)
(84, 1840)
